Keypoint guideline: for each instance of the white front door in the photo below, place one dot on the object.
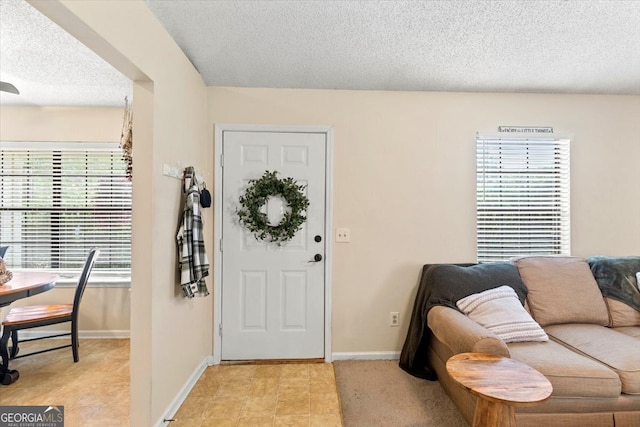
(273, 297)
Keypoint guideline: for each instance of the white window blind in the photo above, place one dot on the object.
(522, 197)
(59, 200)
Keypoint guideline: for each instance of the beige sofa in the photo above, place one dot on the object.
(592, 356)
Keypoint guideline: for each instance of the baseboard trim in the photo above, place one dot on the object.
(91, 334)
(183, 393)
(366, 355)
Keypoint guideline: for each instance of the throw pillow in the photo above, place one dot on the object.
(562, 290)
(500, 311)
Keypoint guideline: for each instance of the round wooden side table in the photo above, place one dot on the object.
(500, 384)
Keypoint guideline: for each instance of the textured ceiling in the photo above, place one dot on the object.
(578, 46)
(50, 67)
(572, 46)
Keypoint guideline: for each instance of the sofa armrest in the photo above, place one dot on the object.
(463, 335)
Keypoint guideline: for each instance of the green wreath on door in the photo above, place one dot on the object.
(255, 197)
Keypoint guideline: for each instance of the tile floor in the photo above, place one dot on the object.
(263, 395)
(95, 391)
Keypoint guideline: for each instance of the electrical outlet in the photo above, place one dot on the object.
(343, 235)
(394, 318)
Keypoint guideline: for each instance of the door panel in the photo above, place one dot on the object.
(272, 296)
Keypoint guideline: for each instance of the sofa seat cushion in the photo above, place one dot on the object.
(618, 351)
(562, 290)
(632, 331)
(571, 374)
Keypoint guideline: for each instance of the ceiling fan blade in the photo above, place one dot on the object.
(8, 87)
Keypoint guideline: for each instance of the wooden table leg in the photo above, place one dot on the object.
(493, 414)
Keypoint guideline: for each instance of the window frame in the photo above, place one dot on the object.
(546, 195)
(116, 277)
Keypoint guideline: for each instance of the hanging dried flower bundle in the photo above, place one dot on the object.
(126, 139)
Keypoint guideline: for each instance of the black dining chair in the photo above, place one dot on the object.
(35, 316)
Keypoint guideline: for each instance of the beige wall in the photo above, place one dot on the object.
(404, 183)
(61, 124)
(170, 336)
(58, 124)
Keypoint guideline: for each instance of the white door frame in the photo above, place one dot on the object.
(217, 224)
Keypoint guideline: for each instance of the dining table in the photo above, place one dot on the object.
(23, 284)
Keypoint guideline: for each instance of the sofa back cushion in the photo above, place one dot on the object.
(447, 283)
(562, 290)
(622, 314)
(616, 277)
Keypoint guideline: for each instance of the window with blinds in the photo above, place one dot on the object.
(522, 197)
(58, 200)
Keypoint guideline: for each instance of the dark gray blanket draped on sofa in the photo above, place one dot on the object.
(616, 277)
(445, 284)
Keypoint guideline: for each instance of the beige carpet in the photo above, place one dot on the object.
(378, 393)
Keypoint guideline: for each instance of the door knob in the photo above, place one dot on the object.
(316, 258)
